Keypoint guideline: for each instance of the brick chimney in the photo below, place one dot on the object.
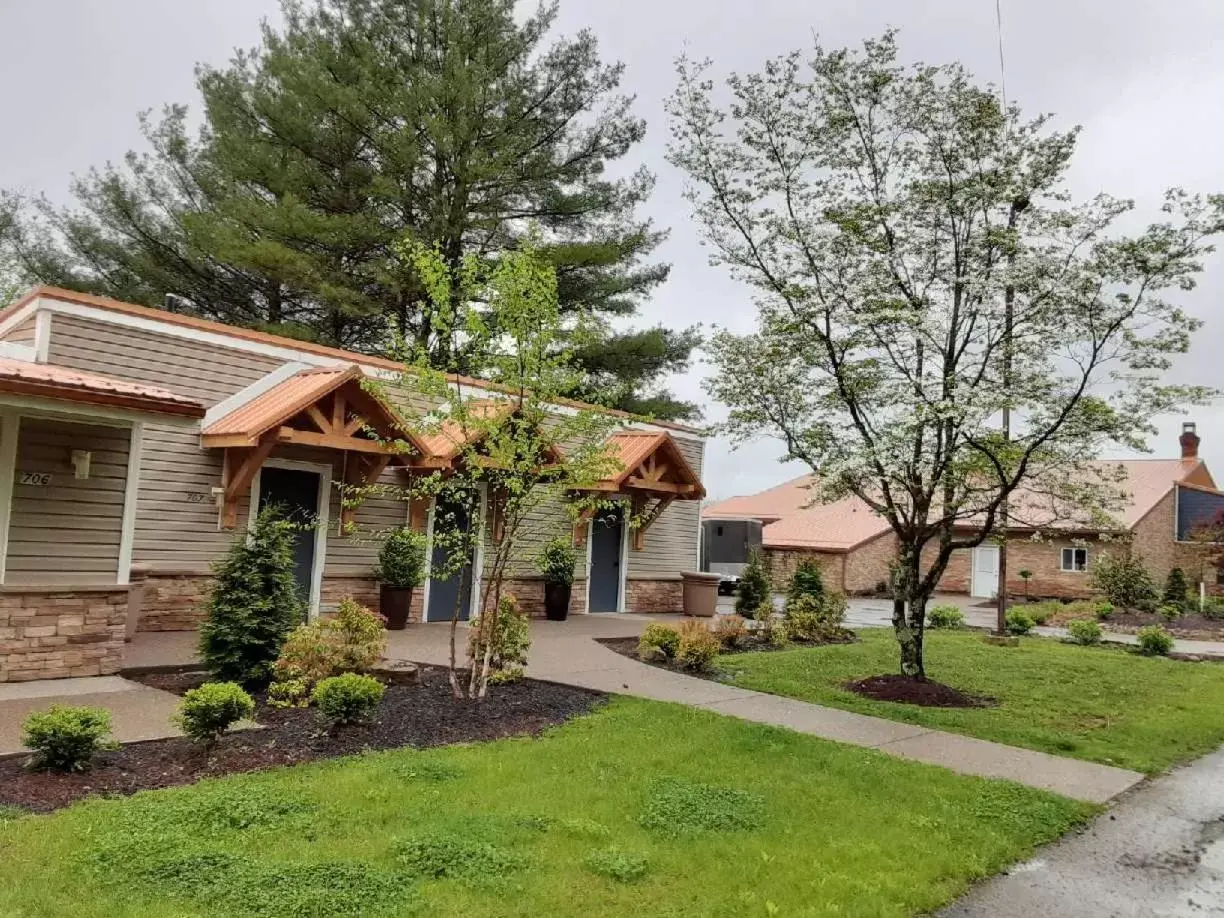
(1189, 441)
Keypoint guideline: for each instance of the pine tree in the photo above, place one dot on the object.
(755, 595)
(254, 603)
(1176, 589)
(359, 123)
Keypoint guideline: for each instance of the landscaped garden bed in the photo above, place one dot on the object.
(1104, 703)
(420, 715)
(638, 808)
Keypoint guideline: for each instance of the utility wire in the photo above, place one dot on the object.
(999, 30)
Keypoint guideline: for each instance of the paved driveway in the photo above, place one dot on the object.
(1158, 852)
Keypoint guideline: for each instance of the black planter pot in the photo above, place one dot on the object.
(556, 601)
(394, 604)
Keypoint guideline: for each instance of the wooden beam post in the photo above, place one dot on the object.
(582, 527)
(240, 468)
(639, 534)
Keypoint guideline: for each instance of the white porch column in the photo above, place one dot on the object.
(131, 493)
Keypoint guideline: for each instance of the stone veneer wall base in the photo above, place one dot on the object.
(61, 633)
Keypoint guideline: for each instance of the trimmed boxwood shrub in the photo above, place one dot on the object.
(1018, 622)
(1084, 631)
(66, 738)
(208, 711)
(1154, 641)
(348, 699)
(945, 617)
(556, 561)
(401, 559)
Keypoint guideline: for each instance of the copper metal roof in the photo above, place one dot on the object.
(282, 402)
(21, 377)
(630, 448)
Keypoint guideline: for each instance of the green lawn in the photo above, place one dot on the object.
(1098, 703)
(639, 809)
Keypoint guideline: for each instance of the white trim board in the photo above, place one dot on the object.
(10, 430)
(324, 472)
(131, 496)
(252, 392)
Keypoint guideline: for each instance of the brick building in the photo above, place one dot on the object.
(1164, 501)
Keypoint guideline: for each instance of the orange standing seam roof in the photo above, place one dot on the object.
(630, 448)
(280, 403)
(21, 377)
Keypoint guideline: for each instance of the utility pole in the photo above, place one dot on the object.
(1009, 318)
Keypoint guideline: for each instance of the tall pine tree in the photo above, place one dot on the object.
(357, 123)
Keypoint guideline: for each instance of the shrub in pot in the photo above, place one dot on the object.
(556, 562)
(401, 569)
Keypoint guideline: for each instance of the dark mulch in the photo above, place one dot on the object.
(904, 689)
(410, 715)
(627, 647)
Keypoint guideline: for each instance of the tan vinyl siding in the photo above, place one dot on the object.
(176, 518)
(197, 370)
(671, 541)
(24, 332)
(67, 531)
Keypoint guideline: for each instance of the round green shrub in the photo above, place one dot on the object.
(1170, 612)
(945, 617)
(66, 738)
(348, 699)
(1018, 622)
(510, 634)
(1154, 641)
(1104, 609)
(208, 711)
(660, 637)
(401, 559)
(814, 618)
(1084, 631)
(698, 648)
(556, 561)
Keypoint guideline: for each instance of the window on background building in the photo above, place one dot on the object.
(1075, 560)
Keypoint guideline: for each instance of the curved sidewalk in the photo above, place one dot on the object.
(568, 652)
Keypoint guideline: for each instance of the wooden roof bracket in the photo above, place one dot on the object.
(647, 518)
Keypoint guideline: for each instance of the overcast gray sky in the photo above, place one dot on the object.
(1144, 78)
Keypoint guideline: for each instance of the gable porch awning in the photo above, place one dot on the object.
(325, 408)
(651, 467)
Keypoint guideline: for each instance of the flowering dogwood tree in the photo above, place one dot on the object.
(921, 271)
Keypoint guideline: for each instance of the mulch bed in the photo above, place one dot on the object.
(1190, 627)
(410, 715)
(928, 694)
(627, 647)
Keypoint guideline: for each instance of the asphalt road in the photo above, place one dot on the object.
(1158, 852)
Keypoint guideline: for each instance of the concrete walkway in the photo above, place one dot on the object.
(1159, 852)
(569, 652)
(137, 711)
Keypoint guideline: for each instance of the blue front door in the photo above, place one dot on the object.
(607, 536)
(445, 592)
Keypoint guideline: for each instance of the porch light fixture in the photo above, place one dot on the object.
(80, 463)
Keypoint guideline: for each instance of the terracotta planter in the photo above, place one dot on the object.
(557, 600)
(394, 604)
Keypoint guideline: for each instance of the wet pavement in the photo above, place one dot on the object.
(1158, 852)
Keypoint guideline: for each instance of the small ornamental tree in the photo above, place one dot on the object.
(921, 273)
(806, 581)
(254, 603)
(519, 467)
(1176, 591)
(755, 594)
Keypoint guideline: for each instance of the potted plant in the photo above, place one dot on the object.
(401, 569)
(556, 562)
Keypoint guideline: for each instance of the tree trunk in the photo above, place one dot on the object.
(909, 612)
